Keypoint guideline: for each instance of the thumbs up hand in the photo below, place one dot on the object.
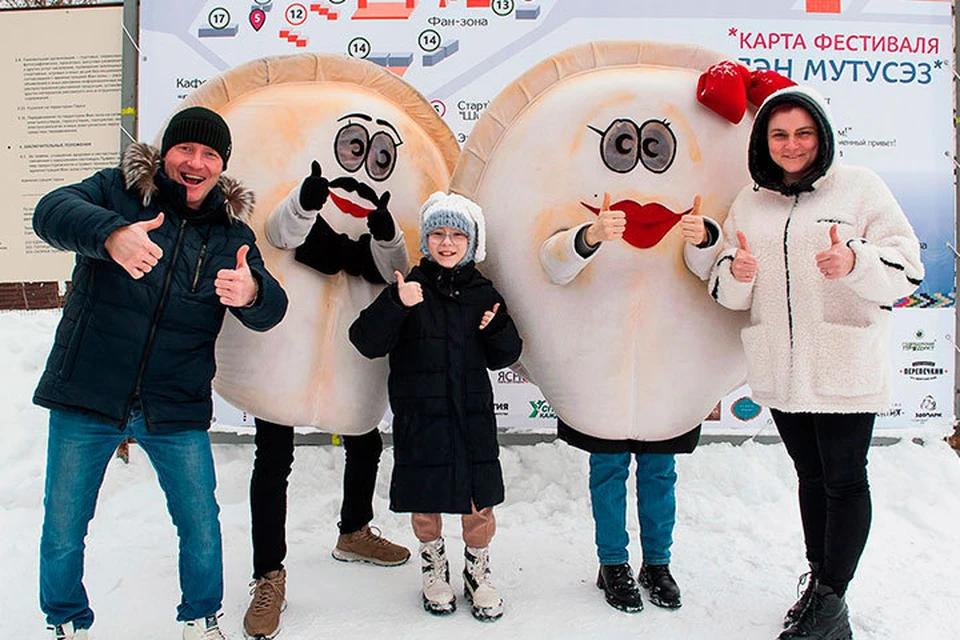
(410, 293)
(236, 287)
(488, 316)
(315, 189)
(692, 227)
(130, 246)
(836, 261)
(744, 266)
(609, 224)
(380, 222)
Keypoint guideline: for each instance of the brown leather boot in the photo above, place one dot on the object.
(367, 545)
(269, 591)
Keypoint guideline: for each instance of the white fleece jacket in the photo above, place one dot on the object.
(818, 345)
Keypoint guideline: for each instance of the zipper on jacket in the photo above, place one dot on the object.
(196, 272)
(786, 265)
(153, 327)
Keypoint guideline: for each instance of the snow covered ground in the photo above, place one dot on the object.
(737, 551)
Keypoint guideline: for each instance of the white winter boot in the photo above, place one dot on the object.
(487, 605)
(203, 629)
(66, 631)
(438, 597)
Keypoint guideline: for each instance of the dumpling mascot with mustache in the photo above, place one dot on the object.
(341, 154)
(606, 171)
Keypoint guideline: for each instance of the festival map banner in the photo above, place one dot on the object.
(885, 67)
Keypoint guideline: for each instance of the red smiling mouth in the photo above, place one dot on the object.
(349, 207)
(646, 223)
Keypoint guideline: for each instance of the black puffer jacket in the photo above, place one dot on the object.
(445, 432)
(151, 339)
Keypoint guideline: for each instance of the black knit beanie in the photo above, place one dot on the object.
(201, 125)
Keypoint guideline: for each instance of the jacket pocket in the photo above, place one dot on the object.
(197, 313)
(850, 361)
(73, 346)
(764, 367)
(404, 419)
(422, 440)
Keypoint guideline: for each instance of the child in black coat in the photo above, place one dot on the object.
(443, 327)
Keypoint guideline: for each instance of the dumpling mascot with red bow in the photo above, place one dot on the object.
(606, 171)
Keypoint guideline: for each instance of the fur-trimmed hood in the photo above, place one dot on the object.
(141, 162)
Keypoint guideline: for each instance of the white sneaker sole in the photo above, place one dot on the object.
(266, 636)
(262, 636)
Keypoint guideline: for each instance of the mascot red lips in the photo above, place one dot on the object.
(647, 224)
(349, 207)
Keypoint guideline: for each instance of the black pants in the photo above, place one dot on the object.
(829, 452)
(272, 463)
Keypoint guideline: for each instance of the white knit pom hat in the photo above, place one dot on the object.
(454, 211)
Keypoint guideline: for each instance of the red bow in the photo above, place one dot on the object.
(727, 86)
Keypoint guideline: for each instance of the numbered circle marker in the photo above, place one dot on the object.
(257, 18)
(439, 107)
(429, 40)
(502, 7)
(358, 48)
(296, 14)
(218, 18)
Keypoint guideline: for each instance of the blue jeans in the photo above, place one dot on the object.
(656, 505)
(78, 450)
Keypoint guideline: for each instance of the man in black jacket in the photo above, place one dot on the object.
(162, 252)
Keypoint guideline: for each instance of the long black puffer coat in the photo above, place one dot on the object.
(445, 433)
(150, 340)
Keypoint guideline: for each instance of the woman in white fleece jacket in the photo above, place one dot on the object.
(818, 252)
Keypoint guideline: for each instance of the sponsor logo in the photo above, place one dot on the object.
(745, 409)
(918, 344)
(510, 377)
(923, 370)
(501, 408)
(928, 409)
(542, 409)
(894, 411)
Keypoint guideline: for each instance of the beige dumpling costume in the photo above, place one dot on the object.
(370, 133)
(626, 343)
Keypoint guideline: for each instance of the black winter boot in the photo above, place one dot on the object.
(619, 587)
(663, 589)
(825, 618)
(807, 582)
